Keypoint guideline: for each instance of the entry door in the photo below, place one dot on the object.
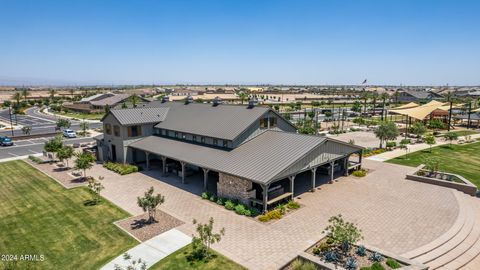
(114, 153)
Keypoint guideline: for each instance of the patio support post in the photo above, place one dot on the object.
(314, 175)
(345, 166)
(265, 197)
(147, 160)
(164, 165)
(331, 171)
(360, 155)
(183, 171)
(205, 178)
(292, 184)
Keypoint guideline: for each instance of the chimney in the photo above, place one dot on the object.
(188, 100)
(217, 101)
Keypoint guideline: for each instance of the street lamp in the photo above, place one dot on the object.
(11, 122)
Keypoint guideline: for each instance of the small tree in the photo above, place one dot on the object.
(403, 145)
(386, 131)
(63, 123)
(342, 233)
(206, 237)
(432, 164)
(436, 124)
(430, 140)
(418, 128)
(95, 186)
(84, 126)
(450, 136)
(64, 153)
(26, 130)
(53, 145)
(149, 203)
(84, 162)
(357, 106)
(138, 264)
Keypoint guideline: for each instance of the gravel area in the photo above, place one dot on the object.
(61, 175)
(143, 231)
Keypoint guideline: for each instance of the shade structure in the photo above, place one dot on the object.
(422, 111)
(407, 106)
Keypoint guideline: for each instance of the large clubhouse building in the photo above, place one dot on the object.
(244, 152)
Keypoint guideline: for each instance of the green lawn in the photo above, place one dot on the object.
(40, 217)
(178, 260)
(465, 132)
(460, 159)
(87, 116)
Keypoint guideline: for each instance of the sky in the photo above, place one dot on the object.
(389, 42)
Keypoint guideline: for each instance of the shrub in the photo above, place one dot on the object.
(377, 266)
(351, 263)
(240, 209)
(205, 195)
(274, 214)
(330, 256)
(213, 198)
(35, 159)
(299, 264)
(292, 204)
(393, 263)
(321, 248)
(376, 257)
(341, 231)
(361, 251)
(229, 205)
(220, 201)
(247, 213)
(360, 173)
(120, 168)
(281, 208)
(391, 144)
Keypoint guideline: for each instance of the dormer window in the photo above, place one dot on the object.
(273, 122)
(264, 123)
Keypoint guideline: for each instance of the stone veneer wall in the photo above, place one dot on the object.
(231, 187)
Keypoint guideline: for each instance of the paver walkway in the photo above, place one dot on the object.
(153, 250)
(395, 214)
(413, 148)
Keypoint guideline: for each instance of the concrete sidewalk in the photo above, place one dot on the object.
(414, 148)
(153, 250)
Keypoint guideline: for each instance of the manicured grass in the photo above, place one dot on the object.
(178, 260)
(459, 159)
(80, 116)
(465, 132)
(38, 216)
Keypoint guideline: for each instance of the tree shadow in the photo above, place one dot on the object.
(91, 202)
(140, 223)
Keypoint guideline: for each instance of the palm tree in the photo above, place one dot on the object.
(17, 97)
(449, 98)
(72, 91)
(374, 100)
(243, 96)
(365, 96)
(25, 93)
(51, 92)
(134, 99)
(384, 96)
(396, 95)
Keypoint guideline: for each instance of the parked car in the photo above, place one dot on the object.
(5, 141)
(69, 133)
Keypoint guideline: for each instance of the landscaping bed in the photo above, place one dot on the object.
(64, 177)
(142, 230)
(121, 168)
(232, 205)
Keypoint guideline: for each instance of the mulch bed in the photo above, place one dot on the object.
(61, 175)
(138, 226)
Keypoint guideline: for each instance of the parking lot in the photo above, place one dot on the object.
(25, 120)
(33, 146)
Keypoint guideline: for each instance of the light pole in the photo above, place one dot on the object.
(11, 122)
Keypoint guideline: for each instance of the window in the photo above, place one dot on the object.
(264, 123)
(108, 129)
(194, 138)
(215, 142)
(134, 131)
(273, 122)
(225, 143)
(202, 139)
(176, 134)
(116, 131)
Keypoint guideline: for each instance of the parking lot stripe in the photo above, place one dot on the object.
(13, 154)
(35, 152)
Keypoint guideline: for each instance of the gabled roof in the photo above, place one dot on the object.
(222, 121)
(134, 116)
(407, 106)
(115, 99)
(260, 159)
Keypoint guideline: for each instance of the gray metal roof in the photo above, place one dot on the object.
(222, 121)
(112, 100)
(260, 159)
(134, 116)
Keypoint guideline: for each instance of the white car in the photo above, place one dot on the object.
(69, 133)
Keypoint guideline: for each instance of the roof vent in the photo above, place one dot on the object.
(217, 101)
(188, 100)
(251, 103)
(165, 99)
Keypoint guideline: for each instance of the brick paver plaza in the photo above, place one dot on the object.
(395, 214)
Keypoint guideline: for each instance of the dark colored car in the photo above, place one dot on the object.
(6, 141)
